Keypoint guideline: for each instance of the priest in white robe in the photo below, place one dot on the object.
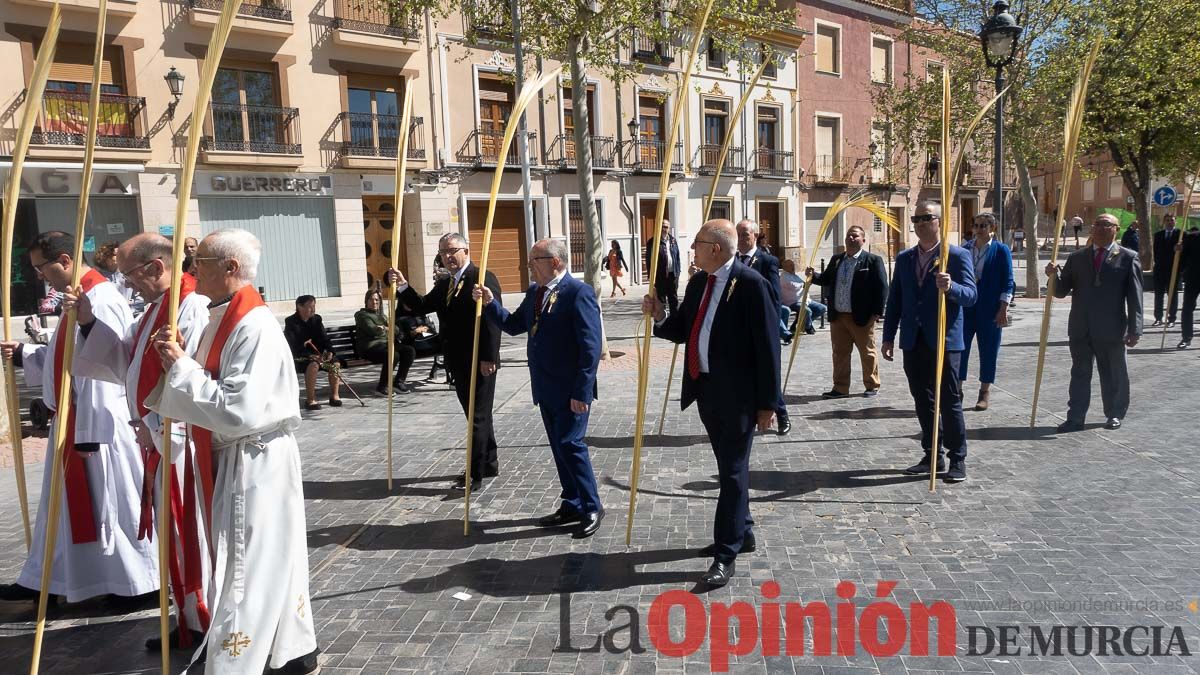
(130, 359)
(97, 550)
(240, 397)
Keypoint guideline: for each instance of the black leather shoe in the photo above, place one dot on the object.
(719, 574)
(154, 644)
(1112, 423)
(785, 426)
(18, 593)
(1183, 344)
(749, 545)
(477, 484)
(1157, 322)
(834, 393)
(302, 665)
(562, 516)
(588, 524)
(921, 468)
(1070, 426)
(871, 393)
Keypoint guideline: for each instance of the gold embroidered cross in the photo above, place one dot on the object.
(236, 643)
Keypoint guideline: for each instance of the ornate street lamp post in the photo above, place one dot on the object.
(999, 38)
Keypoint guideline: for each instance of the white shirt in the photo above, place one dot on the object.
(550, 286)
(978, 255)
(722, 276)
(791, 287)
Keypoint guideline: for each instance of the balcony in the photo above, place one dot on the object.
(374, 24)
(648, 155)
(772, 163)
(883, 174)
(834, 170)
(645, 48)
(115, 7)
(487, 19)
(371, 141)
(562, 152)
(708, 155)
(252, 134)
(483, 147)
(63, 120)
(260, 17)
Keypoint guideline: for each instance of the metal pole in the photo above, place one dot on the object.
(522, 135)
(998, 159)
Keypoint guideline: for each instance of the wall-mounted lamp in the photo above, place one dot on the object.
(174, 80)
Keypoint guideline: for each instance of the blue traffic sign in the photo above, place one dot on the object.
(1165, 196)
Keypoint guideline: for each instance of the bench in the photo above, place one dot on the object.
(342, 339)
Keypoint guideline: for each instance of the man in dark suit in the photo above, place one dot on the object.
(912, 307)
(1132, 239)
(562, 317)
(1165, 241)
(1189, 273)
(666, 280)
(731, 328)
(1104, 281)
(858, 284)
(750, 254)
(451, 300)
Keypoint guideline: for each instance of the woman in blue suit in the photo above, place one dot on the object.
(987, 318)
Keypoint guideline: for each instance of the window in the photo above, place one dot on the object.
(715, 58)
(768, 127)
(716, 117)
(1116, 186)
(245, 108)
(881, 60)
(71, 70)
(933, 71)
(1089, 189)
(374, 111)
(771, 72)
(568, 108)
(495, 107)
(827, 148)
(721, 209)
(829, 58)
(651, 112)
(881, 137)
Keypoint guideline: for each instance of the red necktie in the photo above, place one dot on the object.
(538, 300)
(693, 345)
(1098, 261)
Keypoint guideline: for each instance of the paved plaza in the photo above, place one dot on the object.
(1097, 528)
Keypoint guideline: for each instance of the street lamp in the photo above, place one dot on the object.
(999, 38)
(174, 80)
(635, 128)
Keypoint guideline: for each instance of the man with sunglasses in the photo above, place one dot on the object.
(451, 300)
(912, 308)
(1104, 281)
(129, 359)
(97, 551)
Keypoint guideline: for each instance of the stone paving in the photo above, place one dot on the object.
(1094, 528)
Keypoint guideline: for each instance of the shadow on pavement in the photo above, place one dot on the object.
(444, 535)
(88, 649)
(1021, 433)
(370, 489)
(788, 485)
(879, 413)
(648, 440)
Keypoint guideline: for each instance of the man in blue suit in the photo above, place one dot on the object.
(912, 307)
(562, 317)
(986, 319)
(731, 328)
(750, 254)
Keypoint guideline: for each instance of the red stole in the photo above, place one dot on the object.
(79, 496)
(151, 369)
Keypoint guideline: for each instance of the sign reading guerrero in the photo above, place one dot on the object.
(221, 184)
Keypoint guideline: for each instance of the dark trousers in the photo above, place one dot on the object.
(1190, 292)
(405, 355)
(1162, 282)
(565, 431)
(667, 290)
(731, 432)
(484, 463)
(1109, 356)
(920, 366)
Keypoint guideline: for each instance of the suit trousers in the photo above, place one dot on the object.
(1109, 356)
(920, 366)
(666, 287)
(845, 335)
(1162, 283)
(989, 335)
(731, 432)
(1190, 292)
(484, 463)
(565, 431)
(405, 355)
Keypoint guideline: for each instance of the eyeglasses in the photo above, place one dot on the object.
(698, 240)
(206, 258)
(450, 251)
(127, 273)
(542, 257)
(39, 266)
(922, 218)
(984, 225)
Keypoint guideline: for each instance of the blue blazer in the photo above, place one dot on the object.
(913, 308)
(743, 347)
(767, 267)
(996, 281)
(565, 351)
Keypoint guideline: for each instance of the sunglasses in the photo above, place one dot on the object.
(923, 218)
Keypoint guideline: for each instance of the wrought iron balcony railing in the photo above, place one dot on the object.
(834, 170)
(646, 48)
(648, 155)
(487, 18)
(483, 147)
(252, 128)
(562, 151)
(63, 120)
(375, 16)
(772, 163)
(280, 10)
(707, 156)
(368, 135)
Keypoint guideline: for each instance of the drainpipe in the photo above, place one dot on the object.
(433, 125)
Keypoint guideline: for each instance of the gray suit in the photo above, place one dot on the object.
(1104, 310)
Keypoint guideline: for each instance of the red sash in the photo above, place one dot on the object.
(151, 369)
(79, 496)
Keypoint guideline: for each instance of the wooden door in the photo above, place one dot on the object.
(507, 254)
(647, 208)
(382, 229)
(769, 224)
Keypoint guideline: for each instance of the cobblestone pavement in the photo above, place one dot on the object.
(1092, 528)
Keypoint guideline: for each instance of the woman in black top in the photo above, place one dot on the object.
(370, 341)
(311, 347)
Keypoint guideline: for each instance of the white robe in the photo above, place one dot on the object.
(114, 357)
(259, 595)
(116, 562)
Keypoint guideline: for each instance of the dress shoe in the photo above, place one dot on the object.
(1070, 426)
(1113, 423)
(982, 403)
(834, 393)
(1157, 322)
(1170, 324)
(1183, 344)
(810, 331)
(588, 524)
(477, 484)
(871, 393)
(719, 574)
(301, 665)
(18, 593)
(749, 545)
(563, 516)
(402, 387)
(785, 426)
(154, 644)
(957, 472)
(921, 468)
